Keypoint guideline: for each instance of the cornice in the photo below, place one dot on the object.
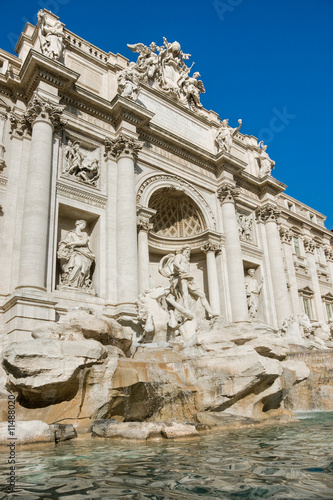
(83, 195)
(161, 244)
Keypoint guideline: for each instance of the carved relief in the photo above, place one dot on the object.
(80, 166)
(123, 145)
(267, 213)
(245, 227)
(163, 68)
(76, 259)
(266, 165)
(51, 35)
(328, 253)
(226, 134)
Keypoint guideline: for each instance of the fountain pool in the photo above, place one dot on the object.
(293, 460)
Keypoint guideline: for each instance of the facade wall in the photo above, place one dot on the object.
(131, 148)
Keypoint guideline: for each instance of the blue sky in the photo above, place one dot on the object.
(259, 60)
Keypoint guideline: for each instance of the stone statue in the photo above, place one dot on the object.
(128, 80)
(182, 286)
(163, 68)
(253, 289)
(51, 36)
(78, 166)
(245, 223)
(266, 164)
(226, 134)
(76, 258)
(192, 88)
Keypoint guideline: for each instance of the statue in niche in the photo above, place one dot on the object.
(245, 223)
(76, 258)
(253, 289)
(182, 286)
(226, 134)
(51, 36)
(78, 166)
(163, 68)
(266, 164)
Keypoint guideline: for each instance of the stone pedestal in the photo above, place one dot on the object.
(226, 195)
(268, 215)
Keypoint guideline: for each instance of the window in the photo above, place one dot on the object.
(307, 306)
(297, 248)
(328, 310)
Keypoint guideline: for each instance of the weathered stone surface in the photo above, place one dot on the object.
(44, 371)
(126, 430)
(223, 419)
(31, 431)
(176, 430)
(63, 432)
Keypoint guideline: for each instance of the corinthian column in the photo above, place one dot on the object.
(43, 116)
(144, 226)
(210, 250)
(226, 195)
(124, 149)
(268, 215)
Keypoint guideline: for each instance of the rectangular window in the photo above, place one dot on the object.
(328, 310)
(296, 246)
(307, 307)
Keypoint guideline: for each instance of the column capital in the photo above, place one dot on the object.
(328, 253)
(309, 245)
(267, 213)
(123, 145)
(227, 193)
(41, 108)
(211, 246)
(286, 235)
(19, 126)
(143, 223)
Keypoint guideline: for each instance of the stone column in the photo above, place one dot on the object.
(43, 116)
(144, 226)
(210, 250)
(286, 241)
(268, 215)
(226, 195)
(309, 246)
(125, 149)
(3, 117)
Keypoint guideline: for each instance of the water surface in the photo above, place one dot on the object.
(293, 460)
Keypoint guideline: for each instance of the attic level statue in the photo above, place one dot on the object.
(163, 68)
(226, 134)
(51, 35)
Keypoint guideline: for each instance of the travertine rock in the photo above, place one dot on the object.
(36, 431)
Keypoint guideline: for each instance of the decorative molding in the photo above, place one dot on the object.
(306, 292)
(123, 145)
(267, 213)
(245, 227)
(177, 181)
(328, 253)
(84, 196)
(19, 126)
(227, 193)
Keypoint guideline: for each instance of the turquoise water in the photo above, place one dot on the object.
(293, 460)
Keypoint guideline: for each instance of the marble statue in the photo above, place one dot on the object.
(226, 134)
(245, 223)
(51, 36)
(253, 289)
(266, 164)
(163, 68)
(76, 258)
(128, 80)
(78, 166)
(182, 285)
